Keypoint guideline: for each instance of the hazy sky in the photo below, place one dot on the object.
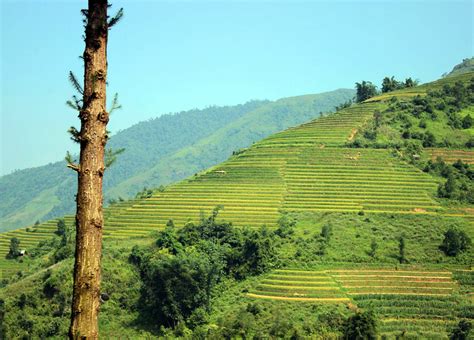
(167, 56)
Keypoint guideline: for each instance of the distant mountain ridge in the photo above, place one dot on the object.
(467, 65)
(159, 152)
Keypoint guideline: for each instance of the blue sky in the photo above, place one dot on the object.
(167, 56)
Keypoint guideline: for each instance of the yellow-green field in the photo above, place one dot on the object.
(451, 156)
(418, 302)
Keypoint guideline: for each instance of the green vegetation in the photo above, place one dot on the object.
(356, 240)
(455, 242)
(182, 271)
(365, 90)
(212, 279)
(14, 250)
(361, 326)
(461, 331)
(391, 84)
(401, 250)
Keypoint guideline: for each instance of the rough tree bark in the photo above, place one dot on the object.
(92, 139)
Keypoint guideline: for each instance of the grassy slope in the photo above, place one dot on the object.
(151, 159)
(309, 173)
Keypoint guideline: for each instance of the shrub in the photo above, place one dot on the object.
(373, 248)
(14, 250)
(401, 250)
(429, 140)
(61, 227)
(455, 241)
(361, 326)
(286, 226)
(467, 122)
(470, 143)
(175, 287)
(326, 232)
(461, 331)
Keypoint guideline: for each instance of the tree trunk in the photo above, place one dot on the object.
(92, 138)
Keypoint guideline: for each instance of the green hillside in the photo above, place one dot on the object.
(354, 223)
(159, 152)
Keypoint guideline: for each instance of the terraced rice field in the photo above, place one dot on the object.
(451, 156)
(299, 285)
(31, 236)
(305, 168)
(331, 130)
(416, 302)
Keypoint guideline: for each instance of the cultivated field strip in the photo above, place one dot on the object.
(299, 286)
(251, 196)
(417, 302)
(399, 282)
(341, 179)
(332, 130)
(450, 156)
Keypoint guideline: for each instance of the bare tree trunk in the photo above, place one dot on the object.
(92, 138)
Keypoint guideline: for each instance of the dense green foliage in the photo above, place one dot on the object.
(181, 272)
(191, 282)
(459, 184)
(455, 242)
(391, 84)
(61, 227)
(441, 118)
(365, 90)
(14, 250)
(461, 331)
(361, 326)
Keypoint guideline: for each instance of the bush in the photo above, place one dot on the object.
(61, 227)
(467, 122)
(455, 241)
(461, 331)
(361, 326)
(176, 287)
(14, 250)
(429, 140)
(373, 248)
(470, 143)
(286, 226)
(326, 232)
(401, 250)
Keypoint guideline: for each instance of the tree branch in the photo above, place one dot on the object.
(73, 166)
(70, 162)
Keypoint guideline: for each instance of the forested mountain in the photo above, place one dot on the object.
(158, 152)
